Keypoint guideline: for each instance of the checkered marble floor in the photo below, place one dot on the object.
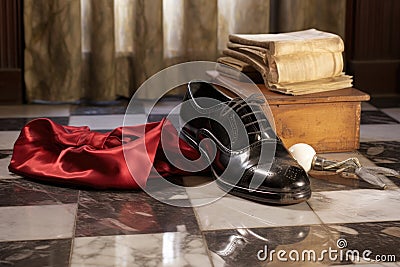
(47, 225)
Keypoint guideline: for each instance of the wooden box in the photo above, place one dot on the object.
(329, 121)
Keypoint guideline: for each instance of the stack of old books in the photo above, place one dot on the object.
(294, 63)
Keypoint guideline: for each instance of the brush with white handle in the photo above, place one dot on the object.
(309, 160)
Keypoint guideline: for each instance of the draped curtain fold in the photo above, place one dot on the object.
(102, 49)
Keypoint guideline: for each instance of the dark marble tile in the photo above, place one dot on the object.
(393, 166)
(5, 154)
(21, 192)
(381, 238)
(105, 110)
(174, 118)
(103, 213)
(333, 182)
(5, 157)
(241, 247)
(172, 98)
(36, 253)
(381, 152)
(386, 101)
(155, 117)
(376, 117)
(16, 124)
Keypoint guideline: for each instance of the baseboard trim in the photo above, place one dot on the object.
(11, 86)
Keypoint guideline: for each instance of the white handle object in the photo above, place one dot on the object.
(303, 154)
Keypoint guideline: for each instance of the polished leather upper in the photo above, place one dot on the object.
(247, 152)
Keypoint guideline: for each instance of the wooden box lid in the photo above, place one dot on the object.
(342, 95)
(244, 89)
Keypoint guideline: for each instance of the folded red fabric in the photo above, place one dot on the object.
(52, 152)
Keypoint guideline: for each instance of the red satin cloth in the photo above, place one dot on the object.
(48, 151)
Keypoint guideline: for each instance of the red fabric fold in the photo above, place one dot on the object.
(48, 151)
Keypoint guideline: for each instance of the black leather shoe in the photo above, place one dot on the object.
(246, 157)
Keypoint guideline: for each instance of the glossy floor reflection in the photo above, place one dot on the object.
(52, 225)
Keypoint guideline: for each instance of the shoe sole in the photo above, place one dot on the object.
(265, 197)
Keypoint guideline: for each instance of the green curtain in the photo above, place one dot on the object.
(102, 49)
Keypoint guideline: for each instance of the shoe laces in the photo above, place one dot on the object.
(250, 106)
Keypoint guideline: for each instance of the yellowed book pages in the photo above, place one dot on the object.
(293, 88)
(292, 68)
(336, 83)
(237, 64)
(304, 67)
(259, 51)
(310, 40)
(249, 58)
(315, 86)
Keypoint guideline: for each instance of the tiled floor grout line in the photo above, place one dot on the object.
(319, 218)
(203, 238)
(74, 228)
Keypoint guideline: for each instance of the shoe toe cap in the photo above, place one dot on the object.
(286, 178)
(296, 177)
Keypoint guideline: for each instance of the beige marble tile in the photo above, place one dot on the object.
(165, 249)
(37, 222)
(4, 162)
(233, 212)
(106, 121)
(7, 139)
(359, 205)
(380, 132)
(392, 112)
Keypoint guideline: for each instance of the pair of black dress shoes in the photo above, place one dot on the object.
(246, 157)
